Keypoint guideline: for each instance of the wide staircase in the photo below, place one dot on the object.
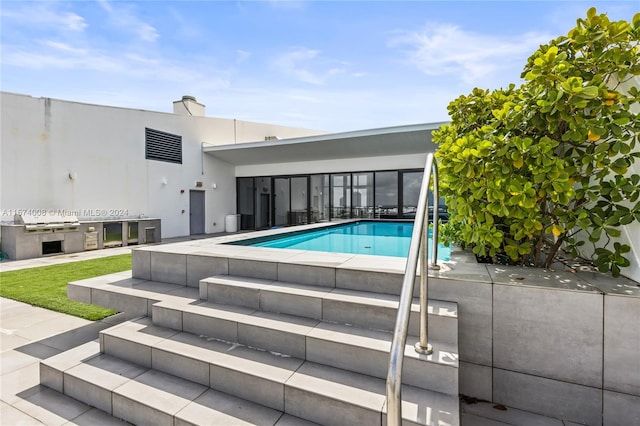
(240, 349)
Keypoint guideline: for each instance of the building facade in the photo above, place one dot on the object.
(193, 172)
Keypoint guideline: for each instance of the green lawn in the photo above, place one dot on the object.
(46, 286)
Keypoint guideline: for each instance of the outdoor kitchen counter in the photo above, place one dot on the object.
(42, 236)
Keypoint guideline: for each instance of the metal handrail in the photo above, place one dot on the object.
(418, 248)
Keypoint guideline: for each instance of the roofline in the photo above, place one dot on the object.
(329, 136)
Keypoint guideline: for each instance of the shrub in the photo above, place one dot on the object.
(525, 170)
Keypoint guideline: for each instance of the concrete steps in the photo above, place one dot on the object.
(358, 308)
(353, 348)
(160, 375)
(131, 296)
(144, 396)
(241, 349)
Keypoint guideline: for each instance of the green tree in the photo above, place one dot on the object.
(525, 170)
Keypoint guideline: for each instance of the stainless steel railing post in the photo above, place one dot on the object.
(422, 346)
(434, 218)
(418, 244)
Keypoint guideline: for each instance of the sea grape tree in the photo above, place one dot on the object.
(531, 169)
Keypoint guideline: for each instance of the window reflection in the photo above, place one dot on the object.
(386, 195)
(319, 198)
(341, 196)
(411, 182)
(245, 203)
(362, 195)
(281, 201)
(299, 207)
(264, 202)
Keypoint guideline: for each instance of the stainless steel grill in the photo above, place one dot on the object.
(47, 222)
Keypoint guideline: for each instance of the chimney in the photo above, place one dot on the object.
(188, 106)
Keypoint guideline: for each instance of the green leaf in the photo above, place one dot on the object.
(615, 271)
(620, 165)
(589, 92)
(595, 235)
(613, 232)
(603, 147)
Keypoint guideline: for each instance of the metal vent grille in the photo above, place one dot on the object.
(162, 146)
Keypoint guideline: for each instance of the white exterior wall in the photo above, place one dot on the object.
(631, 232)
(44, 140)
(411, 161)
(631, 235)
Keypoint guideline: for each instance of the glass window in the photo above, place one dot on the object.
(362, 195)
(263, 202)
(245, 203)
(281, 201)
(341, 196)
(299, 207)
(319, 198)
(386, 195)
(411, 182)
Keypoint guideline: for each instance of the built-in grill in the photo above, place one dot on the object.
(35, 235)
(49, 222)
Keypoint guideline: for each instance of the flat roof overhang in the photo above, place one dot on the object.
(400, 140)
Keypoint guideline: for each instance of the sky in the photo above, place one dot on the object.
(324, 65)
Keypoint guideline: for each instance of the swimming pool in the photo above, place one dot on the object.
(364, 237)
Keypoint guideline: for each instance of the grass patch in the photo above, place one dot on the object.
(46, 286)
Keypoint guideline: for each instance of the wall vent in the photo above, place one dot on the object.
(162, 146)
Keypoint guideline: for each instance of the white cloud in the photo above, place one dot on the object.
(56, 55)
(64, 47)
(122, 16)
(184, 27)
(45, 14)
(305, 65)
(242, 55)
(442, 49)
(286, 4)
(331, 109)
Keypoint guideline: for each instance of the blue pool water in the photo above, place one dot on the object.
(376, 238)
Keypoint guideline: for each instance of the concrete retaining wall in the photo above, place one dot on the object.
(561, 344)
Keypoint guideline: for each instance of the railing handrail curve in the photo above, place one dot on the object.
(418, 242)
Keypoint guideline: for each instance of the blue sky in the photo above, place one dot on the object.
(329, 65)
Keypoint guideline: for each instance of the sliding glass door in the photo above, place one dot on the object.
(411, 182)
(341, 196)
(245, 203)
(265, 202)
(299, 201)
(281, 201)
(386, 186)
(362, 195)
(319, 198)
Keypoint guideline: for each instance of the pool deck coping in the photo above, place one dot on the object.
(462, 265)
